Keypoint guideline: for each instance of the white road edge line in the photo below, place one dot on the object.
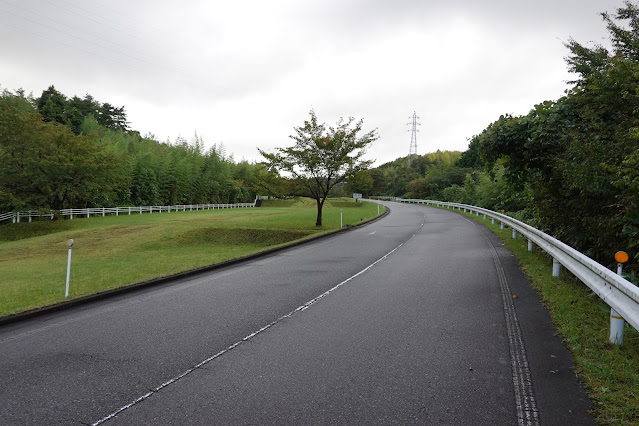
(236, 344)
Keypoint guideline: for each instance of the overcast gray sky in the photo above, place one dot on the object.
(246, 72)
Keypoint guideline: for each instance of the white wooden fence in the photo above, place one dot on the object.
(29, 215)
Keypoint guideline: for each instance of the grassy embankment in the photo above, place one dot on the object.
(112, 252)
(610, 373)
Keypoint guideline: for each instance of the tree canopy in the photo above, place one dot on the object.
(79, 157)
(322, 156)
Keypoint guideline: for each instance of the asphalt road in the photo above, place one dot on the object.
(409, 320)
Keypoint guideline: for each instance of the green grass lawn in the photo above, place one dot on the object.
(111, 252)
(610, 373)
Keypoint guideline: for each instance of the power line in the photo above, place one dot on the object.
(84, 39)
(101, 50)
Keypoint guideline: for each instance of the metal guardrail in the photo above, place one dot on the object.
(16, 217)
(620, 294)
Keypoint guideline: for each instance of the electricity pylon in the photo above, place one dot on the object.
(413, 136)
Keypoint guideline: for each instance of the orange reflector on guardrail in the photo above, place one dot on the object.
(621, 257)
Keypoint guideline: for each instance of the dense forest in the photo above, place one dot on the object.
(58, 152)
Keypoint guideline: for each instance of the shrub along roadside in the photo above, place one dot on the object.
(608, 372)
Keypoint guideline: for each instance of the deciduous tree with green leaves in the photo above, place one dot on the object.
(323, 156)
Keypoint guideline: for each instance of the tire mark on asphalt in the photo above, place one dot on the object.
(527, 414)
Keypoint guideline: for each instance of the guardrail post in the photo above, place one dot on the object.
(484, 217)
(492, 220)
(530, 245)
(477, 213)
(617, 322)
(501, 225)
(556, 267)
(514, 234)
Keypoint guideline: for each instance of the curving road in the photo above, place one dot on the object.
(409, 320)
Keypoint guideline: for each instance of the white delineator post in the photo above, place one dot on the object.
(617, 322)
(70, 245)
(340, 219)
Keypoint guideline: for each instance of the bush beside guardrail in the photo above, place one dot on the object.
(620, 294)
(17, 217)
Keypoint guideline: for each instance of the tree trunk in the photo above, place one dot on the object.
(320, 204)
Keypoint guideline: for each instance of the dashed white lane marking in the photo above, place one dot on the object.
(236, 344)
(371, 233)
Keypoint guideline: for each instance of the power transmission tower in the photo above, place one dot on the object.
(413, 136)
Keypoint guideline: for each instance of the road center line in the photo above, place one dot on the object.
(236, 344)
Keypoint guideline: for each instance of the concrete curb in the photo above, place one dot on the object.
(22, 316)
